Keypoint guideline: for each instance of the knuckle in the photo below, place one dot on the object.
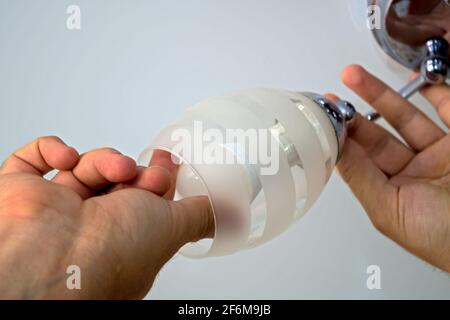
(49, 137)
(108, 150)
(43, 139)
(101, 151)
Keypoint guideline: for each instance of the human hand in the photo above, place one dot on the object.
(404, 187)
(100, 212)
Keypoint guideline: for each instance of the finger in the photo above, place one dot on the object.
(96, 170)
(194, 218)
(155, 179)
(41, 156)
(164, 159)
(168, 224)
(370, 186)
(159, 178)
(412, 124)
(386, 151)
(67, 178)
(332, 97)
(439, 97)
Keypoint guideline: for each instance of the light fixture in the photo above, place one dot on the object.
(415, 33)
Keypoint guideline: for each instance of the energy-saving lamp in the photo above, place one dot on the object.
(261, 156)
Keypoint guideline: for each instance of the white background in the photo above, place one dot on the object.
(136, 65)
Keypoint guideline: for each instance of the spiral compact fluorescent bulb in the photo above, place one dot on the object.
(261, 156)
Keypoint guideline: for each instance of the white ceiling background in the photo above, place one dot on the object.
(136, 65)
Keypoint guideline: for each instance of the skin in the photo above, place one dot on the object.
(100, 212)
(117, 223)
(404, 186)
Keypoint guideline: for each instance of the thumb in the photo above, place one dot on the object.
(193, 219)
(183, 221)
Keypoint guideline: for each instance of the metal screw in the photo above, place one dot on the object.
(347, 110)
